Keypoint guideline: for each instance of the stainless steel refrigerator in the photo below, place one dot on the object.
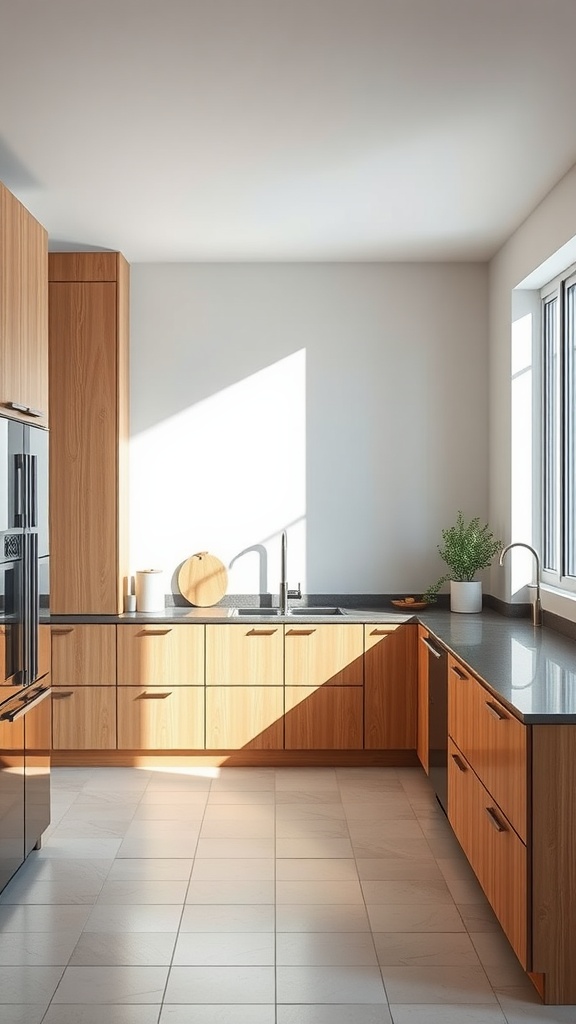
(25, 712)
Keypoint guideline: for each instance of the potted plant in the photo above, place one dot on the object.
(467, 548)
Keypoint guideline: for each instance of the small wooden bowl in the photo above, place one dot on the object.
(410, 605)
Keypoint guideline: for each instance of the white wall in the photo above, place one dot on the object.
(346, 403)
(551, 227)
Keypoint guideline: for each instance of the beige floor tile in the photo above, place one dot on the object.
(79, 849)
(238, 829)
(405, 892)
(321, 918)
(478, 917)
(219, 1014)
(221, 985)
(59, 891)
(236, 783)
(139, 890)
(111, 985)
(397, 917)
(160, 847)
(315, 868)
(231, 891)
(523, 1006)
(426, 949)
(234, 869)
(389, 869)
(325, 949)
(187, 813)
(151, 869)
(308, 829)
(167, 829)
(37, 949)
(34, 985)
(77, 830)
(332, 1013)
(239, 812)
(310, 812)
(260, 848)
(395, 809)
(134, 918)
(317, 891)
(329, 985)
(166, 798)
(99, 1013)
(314, 847)
(414, 849)
(225, 949)
(124, 949)
(443, 1014)
(465, 890)
(19, 1013)
(465, 985)
(49, 918)
(382, 831)
(223, 918)
(456, 868)
(232, 797)
(306, 796)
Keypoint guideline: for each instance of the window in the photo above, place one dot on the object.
(559, 431)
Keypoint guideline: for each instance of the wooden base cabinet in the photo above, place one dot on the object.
(323, 718)
(84, 655)
(243, 655)
(324, 655)
(84, 718)
(390, 687)
(422, 738)
(244, 717)
(157, 655)
(161, 718)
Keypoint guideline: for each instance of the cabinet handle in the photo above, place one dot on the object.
(300, 632)
(430, 646)
(34, 412)
(62, 632)
(380, 632)
(261, 632)
(26, 409)
(154, 696)
(458, 762)
(458, 673)
(495, 711)
(62, 696)
(495, 820)
(154, 632)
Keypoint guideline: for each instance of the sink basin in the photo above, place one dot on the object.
(296, 612)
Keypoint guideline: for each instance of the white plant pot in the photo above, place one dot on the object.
(466, 597)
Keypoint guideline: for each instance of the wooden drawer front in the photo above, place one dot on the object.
(323, 718)
(496, 854)
(390, 680)
(243, 655)
(84, 655)
(159, 655)
(493, 741)
(324, 655)
(84, 718)
(158, 718)
(249, 717)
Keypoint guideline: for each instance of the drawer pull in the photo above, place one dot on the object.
(153, 632)
(62, 696)
(380, 632)
(300, 632)
(495, 711)
(261, 632)
(495, 820)
(62, 632)
(433, 650)
(154, 696)
(458, 673)
(459, 763)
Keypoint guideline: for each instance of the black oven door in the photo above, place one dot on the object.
(11, 618)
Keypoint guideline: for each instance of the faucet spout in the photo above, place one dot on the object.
(536, 604)
(285, 593)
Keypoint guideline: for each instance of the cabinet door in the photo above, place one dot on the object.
(498, 857)
(160, 655)
(44, 651)
(84, 655)
(422, 729)
(161, 718)
(243, 655)
(323, 718)
(390, 687)
(84, 718)
(492, 740)
(84, 448)
(244, 717)
(23, 312)
(326, 655)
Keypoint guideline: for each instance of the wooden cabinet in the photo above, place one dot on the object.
(422, 741)
(84, 718)
(44, 651)
(23, 313)
(243, 655)
(157, 655)
(323, 718)
(390, 687)
(244, 717)
(84, 655)
(493, 742)
(325, 655)
(495, 852)
(161, 718)
(88, 328)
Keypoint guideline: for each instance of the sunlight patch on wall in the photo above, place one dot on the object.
(226, 475)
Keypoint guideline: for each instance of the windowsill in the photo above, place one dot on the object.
(559, 602)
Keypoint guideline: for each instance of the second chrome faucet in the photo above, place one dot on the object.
(285, 593)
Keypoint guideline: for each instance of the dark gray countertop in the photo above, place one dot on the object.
(531, 669)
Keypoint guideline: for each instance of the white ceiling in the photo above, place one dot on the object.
(286, 129)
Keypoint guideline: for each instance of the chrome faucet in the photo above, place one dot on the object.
(285, 593)
(536, 604)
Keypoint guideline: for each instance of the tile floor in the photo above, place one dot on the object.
(251, 896)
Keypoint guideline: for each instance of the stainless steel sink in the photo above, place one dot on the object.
(316, 611)
(258, 611)
(295, 612)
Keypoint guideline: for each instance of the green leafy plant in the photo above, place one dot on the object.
(467, 548)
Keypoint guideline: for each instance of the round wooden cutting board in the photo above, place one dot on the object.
(203, 579)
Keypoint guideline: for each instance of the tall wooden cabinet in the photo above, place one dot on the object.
(23, 313)
(88, 323)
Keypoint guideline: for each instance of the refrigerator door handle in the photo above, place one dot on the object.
(33, 492)
(32, 702)
(34, 606)
(26, 624)
(19, 513)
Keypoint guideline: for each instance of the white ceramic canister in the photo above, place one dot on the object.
(150, 590)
